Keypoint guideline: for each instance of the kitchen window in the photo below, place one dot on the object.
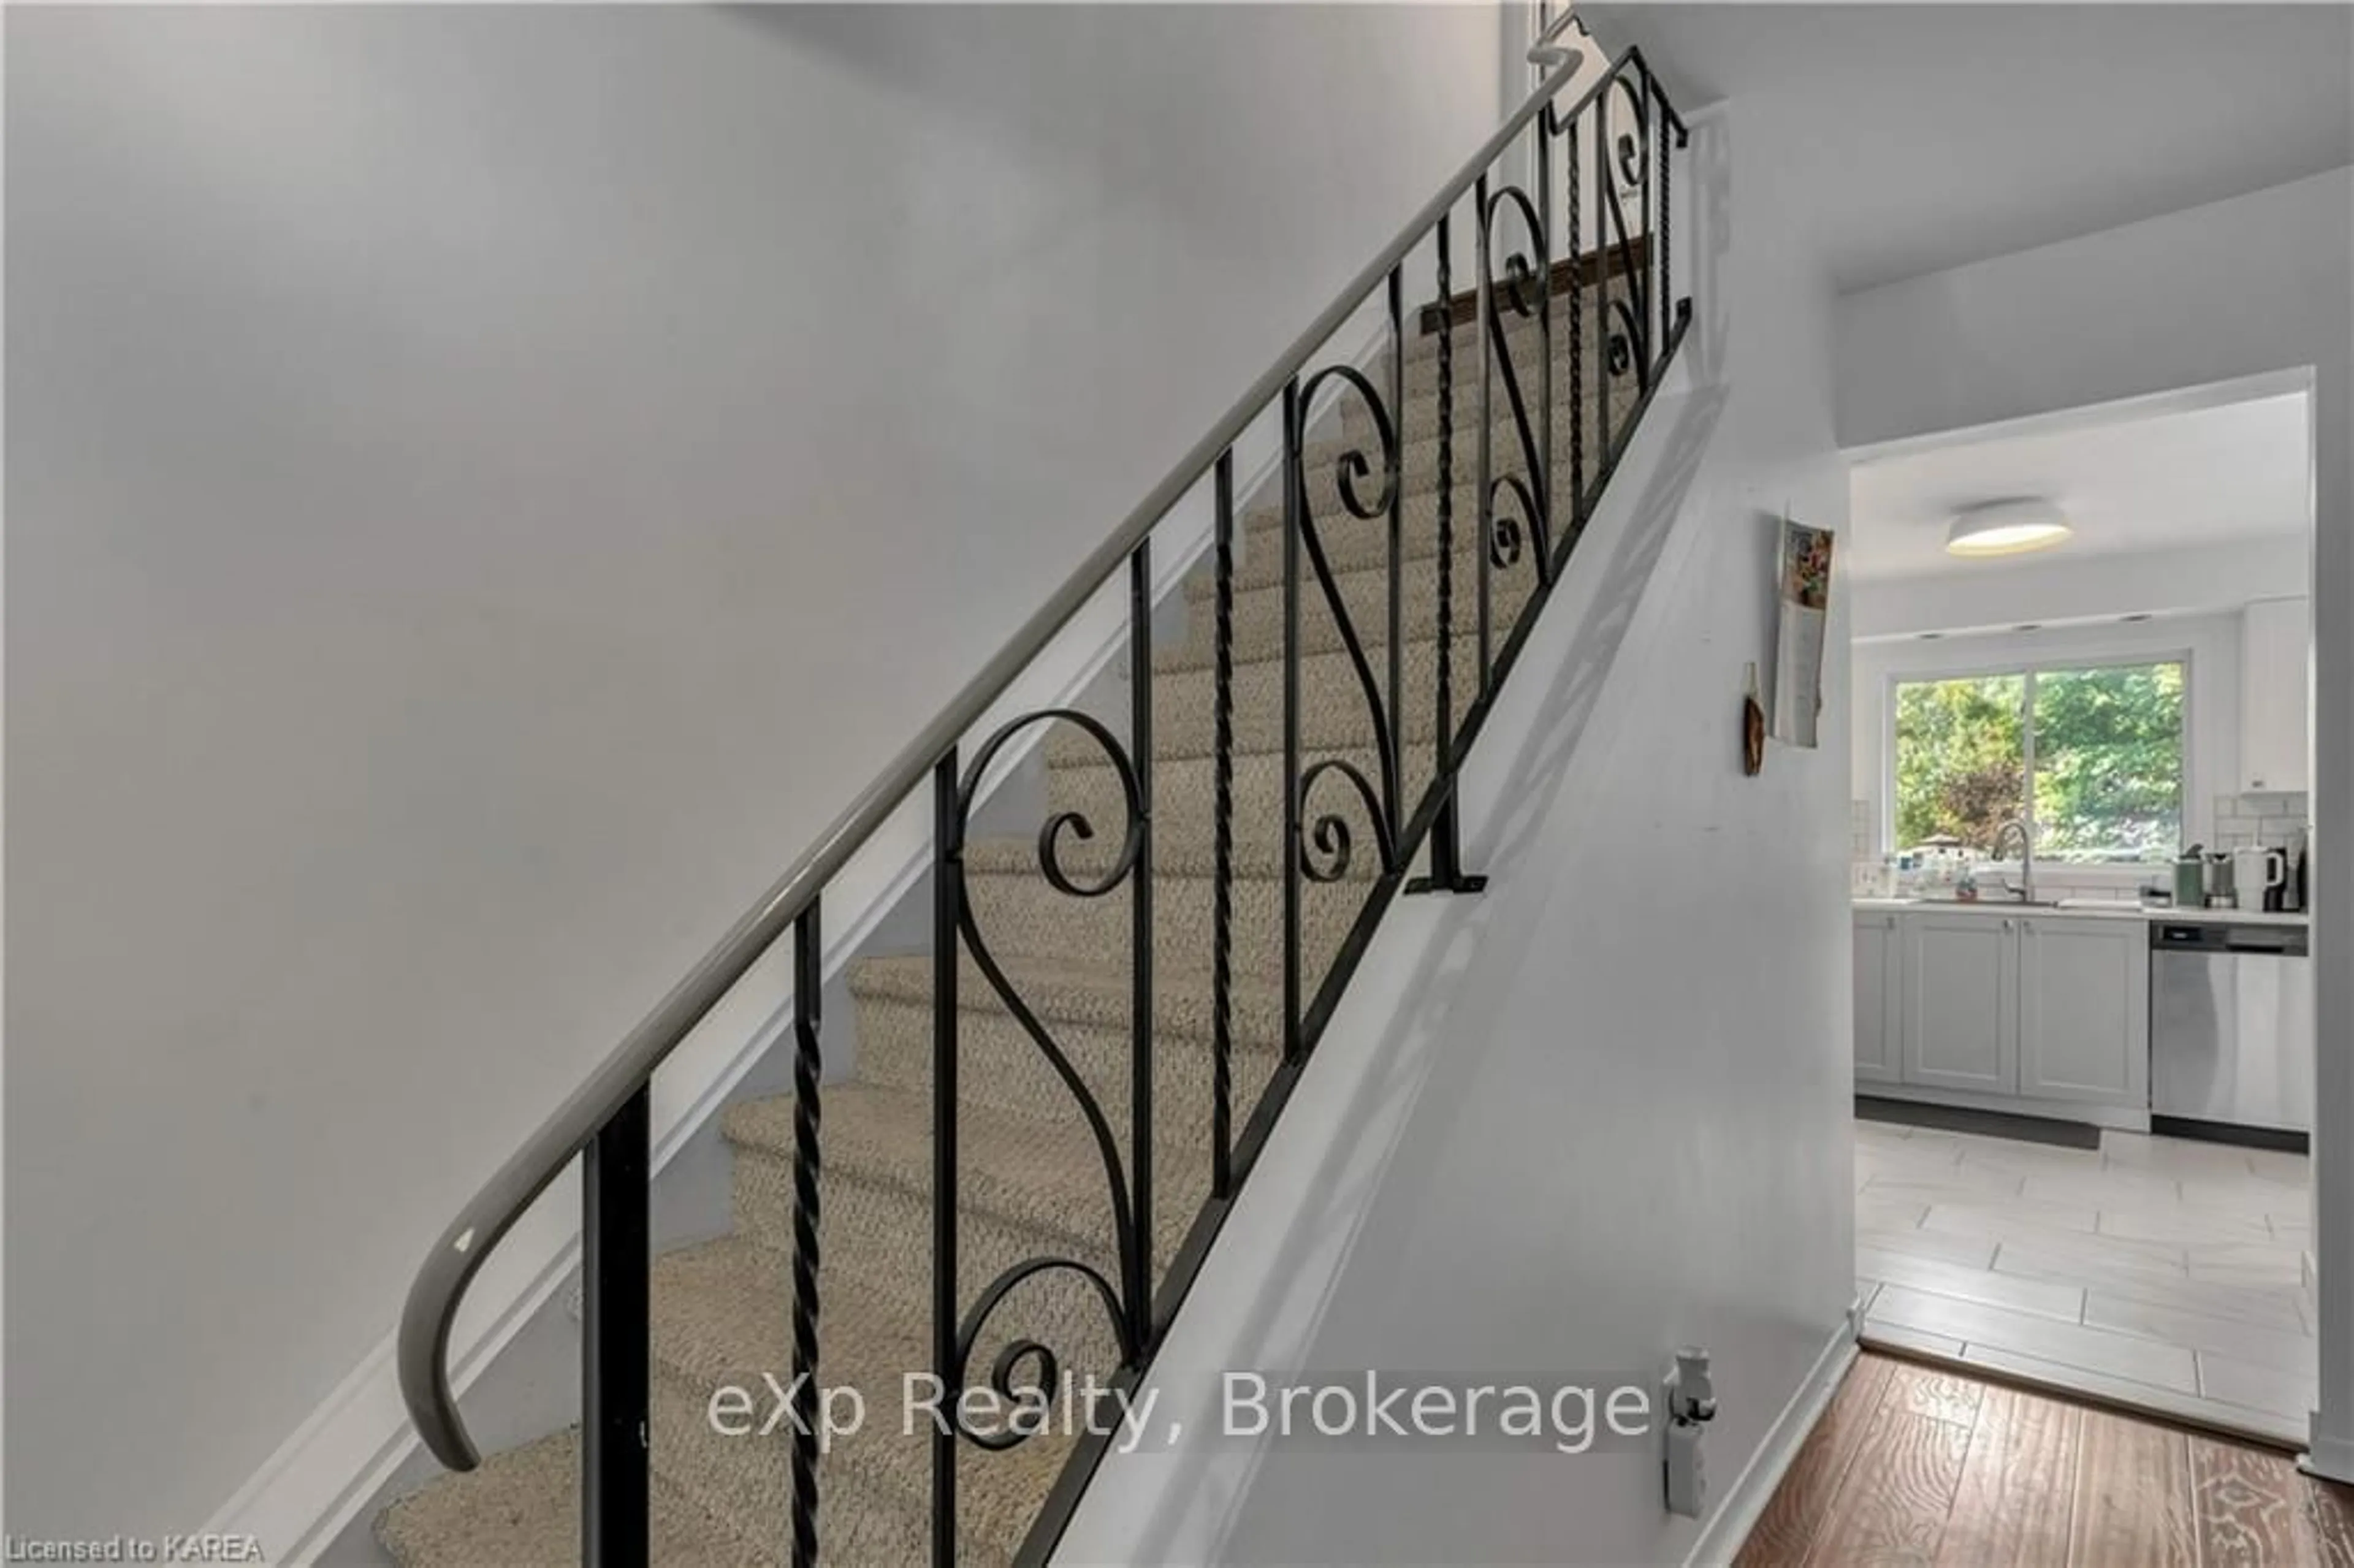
(2091, 756)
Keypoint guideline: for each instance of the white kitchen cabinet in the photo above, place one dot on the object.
(2025, 1004)
(1961, 1002)
(2084, 1010)
(1879, 987)
(2273, 672)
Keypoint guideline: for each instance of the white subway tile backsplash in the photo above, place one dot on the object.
(2246, 821)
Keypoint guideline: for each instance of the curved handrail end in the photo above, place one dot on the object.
(421, 1353)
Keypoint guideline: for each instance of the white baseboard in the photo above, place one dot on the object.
(1738, 1514)
(2331, 1458)
(2083, 1112)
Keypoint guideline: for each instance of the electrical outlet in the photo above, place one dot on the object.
(1690, 1406)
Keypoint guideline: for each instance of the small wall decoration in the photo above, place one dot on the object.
(1753, 728)
(1804, 591)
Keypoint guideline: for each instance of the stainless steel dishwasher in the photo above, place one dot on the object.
(2230, 1026)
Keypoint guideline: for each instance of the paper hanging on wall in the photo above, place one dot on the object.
(1804, 577)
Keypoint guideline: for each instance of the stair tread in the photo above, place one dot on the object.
(1183, 854)
(1035, 1170)
(723, 1314)
(1068, 991)
(1333, 715)
(521, 1508)
(1365, 588)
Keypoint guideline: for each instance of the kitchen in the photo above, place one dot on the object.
(2083, 1015)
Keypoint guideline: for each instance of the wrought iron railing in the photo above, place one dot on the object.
(1592, 229)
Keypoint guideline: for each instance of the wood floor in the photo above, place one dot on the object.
(1918, 1465)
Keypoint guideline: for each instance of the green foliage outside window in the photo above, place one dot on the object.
(2107, 744)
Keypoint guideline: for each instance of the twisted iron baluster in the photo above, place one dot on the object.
(809, 979)
(1221, 882)
(1445, 501)
(1669, 302)
(1602, 271)
(1543, 475)
(1445, 873)
(1576, 344)
(1664, 286)
(1643, 206)
(1485, 307)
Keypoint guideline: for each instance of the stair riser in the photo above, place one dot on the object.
(1521, 332)
(876, 1242)
(1422, 413)
(1258, 613)
(1322, 467)
(1353, 546)
(998, 1065)
(1333, 715)
(874, 1235)
(1526, 361)
(1024, 915)
(1185, 796)
(744, 1483)
(1361, 544)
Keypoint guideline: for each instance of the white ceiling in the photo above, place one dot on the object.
(1934, 135)
(2203, 476)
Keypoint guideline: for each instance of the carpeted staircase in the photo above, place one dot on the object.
(1030, 1181)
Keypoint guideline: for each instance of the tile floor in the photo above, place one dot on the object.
(2156, 1271)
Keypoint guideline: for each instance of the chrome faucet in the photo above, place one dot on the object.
(2025, 892)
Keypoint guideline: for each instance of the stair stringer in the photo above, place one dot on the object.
(1267, 1282)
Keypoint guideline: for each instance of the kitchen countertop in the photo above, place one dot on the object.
(2120, 911)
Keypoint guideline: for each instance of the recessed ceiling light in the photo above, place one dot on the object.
(2006, 528)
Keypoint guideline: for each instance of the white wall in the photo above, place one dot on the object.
(1603, 1108)
(2261, 284)
(484, 488)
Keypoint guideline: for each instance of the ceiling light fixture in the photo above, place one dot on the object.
(2006, 528)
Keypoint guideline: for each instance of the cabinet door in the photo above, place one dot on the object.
(2272, 660)
(1961, 1002)
(1879, 987)
(2084, 1010)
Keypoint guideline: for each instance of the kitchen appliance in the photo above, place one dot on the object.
(2191, 879)
(2219, 880)
(2294, 897)
(2230, 1031)
(2257, 877)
